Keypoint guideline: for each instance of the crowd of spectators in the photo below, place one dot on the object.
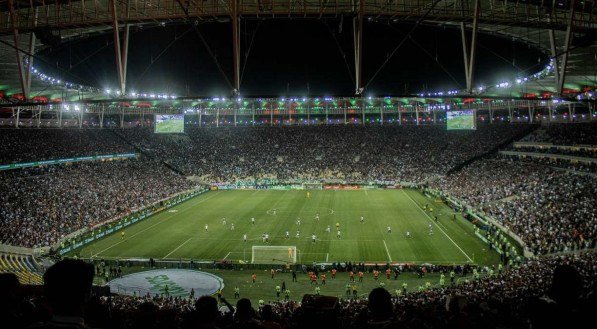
(23, 145)
(551, 210)
(351, 152)
(565, 134)
(42, 205)
(554, 291)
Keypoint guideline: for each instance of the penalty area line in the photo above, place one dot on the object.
(182, 244)
(158, 223)
(432, 221)
(387, 251)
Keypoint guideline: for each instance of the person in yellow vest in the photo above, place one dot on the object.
(278, 291)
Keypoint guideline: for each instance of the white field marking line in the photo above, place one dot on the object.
(182, 244)
(228, 254)
(367, 194)
(387, 251)
(432, 221)
(163, 220)
(327, 257)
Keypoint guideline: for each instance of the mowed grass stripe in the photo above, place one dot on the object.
(182, 234)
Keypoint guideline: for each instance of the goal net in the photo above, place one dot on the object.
(273, 254)
(312, 186)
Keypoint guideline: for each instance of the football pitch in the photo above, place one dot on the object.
(180, 232)
(170, 126)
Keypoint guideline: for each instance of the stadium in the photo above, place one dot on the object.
(339, 164)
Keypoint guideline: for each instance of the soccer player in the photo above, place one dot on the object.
(236, 292)
(430, 229)
(317, 217)
(287, 234)
(328, 229)
(224, 221)
(298, 234)
(407, 234)
(263, 237)
(267, 237)
(337, 225)
(252, 220)
(338, 234)
(122, 235)
(205, 227)
(232, 227)
(245, 237)
(298, 221)
(254, 278)
(389, 229)
(274, 212)
(313, 238)
(308, 195)
(362, 219)
(290, 252)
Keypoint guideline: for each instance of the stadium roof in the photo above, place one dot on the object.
(541, 24)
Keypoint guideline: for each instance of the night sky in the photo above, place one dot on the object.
(289, 57)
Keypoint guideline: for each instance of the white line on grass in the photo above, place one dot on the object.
(158, 223)
(182, 244)
(228, 254)
(431, 220)
(387, 251)
(327, 257)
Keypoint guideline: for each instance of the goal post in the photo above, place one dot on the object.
(312, 186)
(273, 255)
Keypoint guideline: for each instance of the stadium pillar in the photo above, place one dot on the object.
(399, 117)
(199, 113)
(253, 114)
(101, 116)
(326, 114)
(357, 22)
(550, 110)
(17, 44)
(469, 59)
(39, 116)
(531, 113)
(554, 56)
(571, 111)
(271, 115)
(18, 117)
(122, 118)
(417, 115)
(381, 114)
(120, 51)
(235, 110)
(217, 117)
(363, 111)
(562, 72)
(345, 110)
(60, 117)
(236, 46)
(434, 117)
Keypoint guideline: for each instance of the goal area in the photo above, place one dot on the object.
(312, 186)
(273, 255)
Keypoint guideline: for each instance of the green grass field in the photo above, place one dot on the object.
(170, 126)
(179, 233)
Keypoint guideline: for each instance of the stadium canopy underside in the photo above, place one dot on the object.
(564, 30)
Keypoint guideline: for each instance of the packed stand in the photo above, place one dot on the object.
(556, 291)
(42, 205)
(24, 145)
(565, 134)
(350, 152)
(551, 210)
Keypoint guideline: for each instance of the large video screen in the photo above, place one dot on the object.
(461, 120)
(169, 123)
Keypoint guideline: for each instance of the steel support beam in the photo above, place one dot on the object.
(470, 55)
(235, 20)
(17, 44)
(117, 47)
(562, 72)
(554, 55)
(358, 46)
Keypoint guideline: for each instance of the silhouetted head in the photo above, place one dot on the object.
(67, 285)
(566, 285)
(244, 310)
(380, 303)
(207, 309)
